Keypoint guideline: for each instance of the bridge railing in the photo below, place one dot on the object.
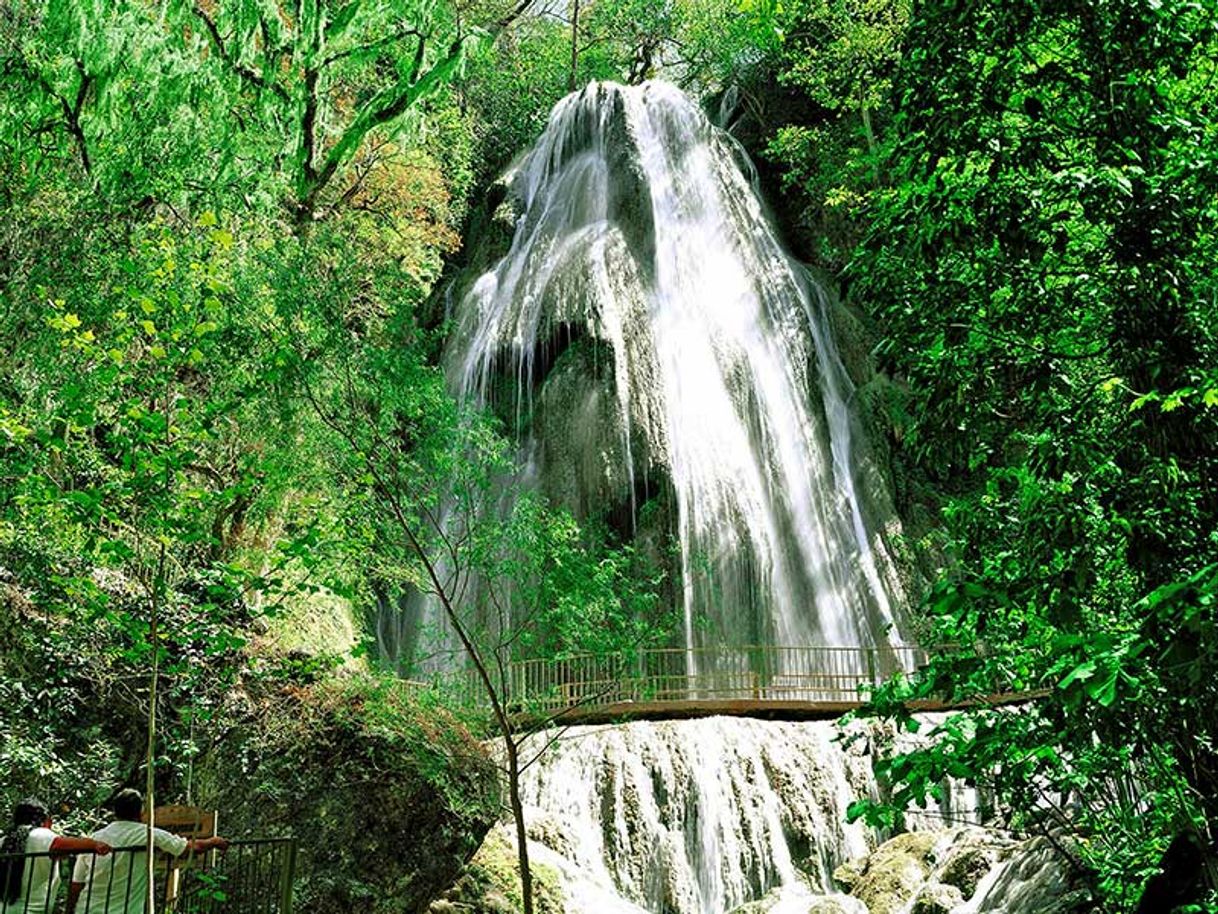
(768, 673)
(252, 877)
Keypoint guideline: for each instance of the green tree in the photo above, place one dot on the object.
(422, 483)
(1041, 268)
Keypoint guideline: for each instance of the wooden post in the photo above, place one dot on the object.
(189, 822)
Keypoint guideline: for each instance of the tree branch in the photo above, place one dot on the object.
(253, 77)
(380, 43)
(386, 106)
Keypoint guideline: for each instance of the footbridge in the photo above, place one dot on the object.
(764, 681)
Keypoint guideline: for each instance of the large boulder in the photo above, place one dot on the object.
(893, 873)
(388, 800)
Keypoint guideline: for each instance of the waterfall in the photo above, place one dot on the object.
(701, 816)
(697, 817)
(649, 342)
(648, 337)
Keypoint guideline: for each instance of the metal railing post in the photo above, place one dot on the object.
(287, 878)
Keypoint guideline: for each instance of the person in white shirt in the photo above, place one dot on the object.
(28, 887)
(118, 884)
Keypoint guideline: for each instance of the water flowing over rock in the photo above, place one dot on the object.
(650, 340)
(701, 816)
(745, 816)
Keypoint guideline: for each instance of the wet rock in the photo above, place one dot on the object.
(966, 867)
(895, 872)
(838, 904)
(848, 874)
(936, 898)
(789, 899)
(548, 831)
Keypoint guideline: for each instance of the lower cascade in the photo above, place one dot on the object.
(700, 816)
(723, 815)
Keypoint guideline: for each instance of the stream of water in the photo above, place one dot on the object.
(650, 335)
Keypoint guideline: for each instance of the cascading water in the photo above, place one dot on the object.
(702, 816)
(650, 333)
(697, 817)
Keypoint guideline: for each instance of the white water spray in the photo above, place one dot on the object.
(641, 236)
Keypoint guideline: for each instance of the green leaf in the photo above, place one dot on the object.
(1080, 673)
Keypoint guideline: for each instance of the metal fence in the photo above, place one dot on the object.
(251, 877)
(766, 673)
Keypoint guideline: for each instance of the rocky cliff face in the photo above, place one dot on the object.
(665, 365)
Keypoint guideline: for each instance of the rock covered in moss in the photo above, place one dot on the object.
(490, 883)
(964, 870)
(848, 874)
(969, 860)
(894, 872)
(388, 799)
(936, 898)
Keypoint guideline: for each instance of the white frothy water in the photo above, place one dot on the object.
(641, 236)
(697, 817)
(701, 816)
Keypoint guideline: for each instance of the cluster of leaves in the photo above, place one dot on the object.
(1033, 235)
(218, 224)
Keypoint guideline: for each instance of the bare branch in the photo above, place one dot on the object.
(391, 38)
(249, 75)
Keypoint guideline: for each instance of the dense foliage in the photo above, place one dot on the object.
(220, 222)
(1035, 241)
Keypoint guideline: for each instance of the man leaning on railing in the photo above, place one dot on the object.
(118, 884)
(27, 884)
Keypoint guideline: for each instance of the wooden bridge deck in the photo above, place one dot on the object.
(760, 681)
(618, 712)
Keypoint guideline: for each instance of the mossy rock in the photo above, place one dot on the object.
(893, 873)
(937, 899)
(389, 800)
(491, 883)
(966, 867)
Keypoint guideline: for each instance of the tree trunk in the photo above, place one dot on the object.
(522, 842)
(571, 80)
